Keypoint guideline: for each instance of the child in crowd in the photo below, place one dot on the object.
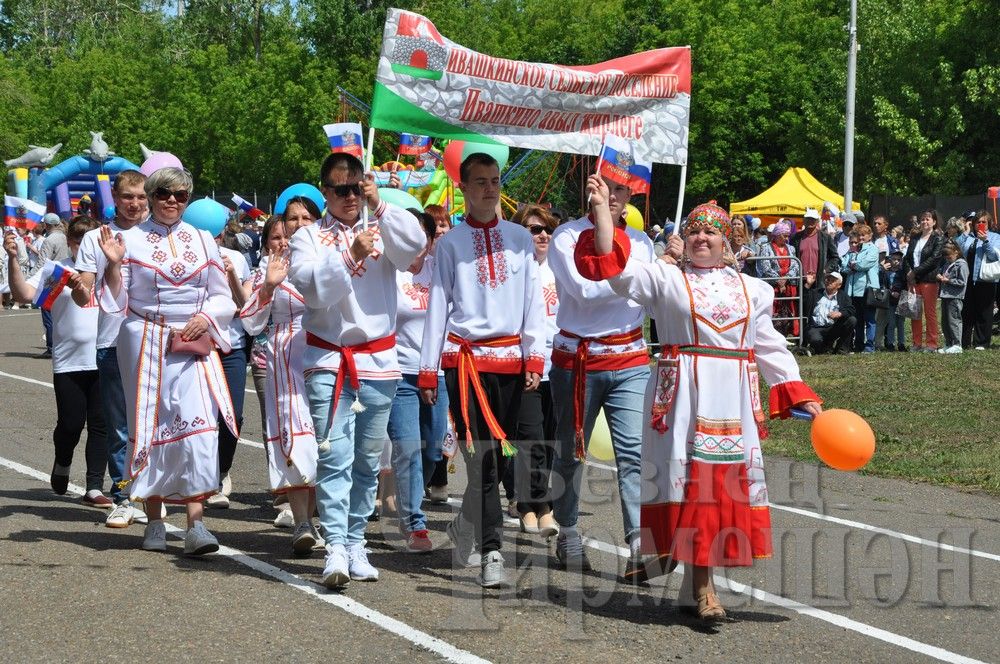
(951, 285)
(889, 327)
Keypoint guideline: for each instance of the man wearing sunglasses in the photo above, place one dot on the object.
(486, 328)
(599, 358)
(345, 268)
(131, 208)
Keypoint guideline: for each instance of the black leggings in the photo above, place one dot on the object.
(481, 503)
(532, 467)
(78, 402)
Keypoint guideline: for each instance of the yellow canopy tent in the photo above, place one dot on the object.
(796, 190)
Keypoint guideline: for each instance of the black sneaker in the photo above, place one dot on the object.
(570, 553)
(59, 483)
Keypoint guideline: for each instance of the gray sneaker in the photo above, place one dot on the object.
(199, 541)
(303, 539)
(491, 572)
(463, 538)
(570, 553)
(155, 537)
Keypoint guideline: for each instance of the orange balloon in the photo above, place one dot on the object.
(842, 439)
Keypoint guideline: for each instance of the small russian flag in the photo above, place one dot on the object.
(413, 144)
(22, 212)
(54, 278)
(247, 207)
(345, 137)
(619, 164)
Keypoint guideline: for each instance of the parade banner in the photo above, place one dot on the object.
(429, 85)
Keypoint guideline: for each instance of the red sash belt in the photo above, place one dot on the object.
(580, 377)
(467, 372)
(347, 364)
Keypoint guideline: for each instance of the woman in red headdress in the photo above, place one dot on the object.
(704, 500)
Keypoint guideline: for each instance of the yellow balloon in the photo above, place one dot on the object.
(634, 218)
(600, 440)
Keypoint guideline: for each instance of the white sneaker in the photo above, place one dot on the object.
(218, 501)
(227, 485)
(199, 541)
(303, 539)
(980, 348)
(155, 537)
(491, 573)
(952, 350)
(284, 519)
(360, 568)
(139, 516)
(121, 516)
(335, 571)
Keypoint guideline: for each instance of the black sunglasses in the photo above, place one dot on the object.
(535, 229)
(342, 190)
(164, 194)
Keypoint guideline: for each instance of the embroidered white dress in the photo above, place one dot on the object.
(291, 440)
(171, 273)
(704, 498)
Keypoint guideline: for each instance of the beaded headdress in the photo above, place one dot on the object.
(709, 214)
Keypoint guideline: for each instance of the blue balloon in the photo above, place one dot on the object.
(301, 189)
(207, 215)
(109, 212)
(400, 198)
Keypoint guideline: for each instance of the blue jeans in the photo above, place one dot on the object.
(47, 324)
(864, 331)
(621, 392)
(416, 430)
(347, 473)
(234, 366)
(113, 403)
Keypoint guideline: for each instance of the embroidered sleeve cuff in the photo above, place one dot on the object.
(785, 396)
(349, 261)
(221, 339)
(380, 210)
(535, 364)
(598, 268)
(427, 379)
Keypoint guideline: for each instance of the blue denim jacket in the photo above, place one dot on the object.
(989, 249)
(865, 270)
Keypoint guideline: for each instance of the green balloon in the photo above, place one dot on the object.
(499, 152)
(400, 198)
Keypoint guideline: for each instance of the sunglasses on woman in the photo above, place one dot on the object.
(164, 194)
(536, 229)
(343, 190)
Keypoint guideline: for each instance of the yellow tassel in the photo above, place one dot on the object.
(507, 449)
(124, 484)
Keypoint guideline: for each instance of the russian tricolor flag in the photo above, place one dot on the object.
(345, 137)
(247, 207)
(22, 212)
(413, 144)
(619, 164)
(54, 278)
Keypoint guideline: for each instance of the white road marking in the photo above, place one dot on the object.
(457, 655)
(424, 640)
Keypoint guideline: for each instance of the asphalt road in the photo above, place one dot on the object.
(865, 571)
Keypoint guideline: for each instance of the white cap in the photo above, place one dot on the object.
(51, 219)
(811, 213)
(837, 276)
